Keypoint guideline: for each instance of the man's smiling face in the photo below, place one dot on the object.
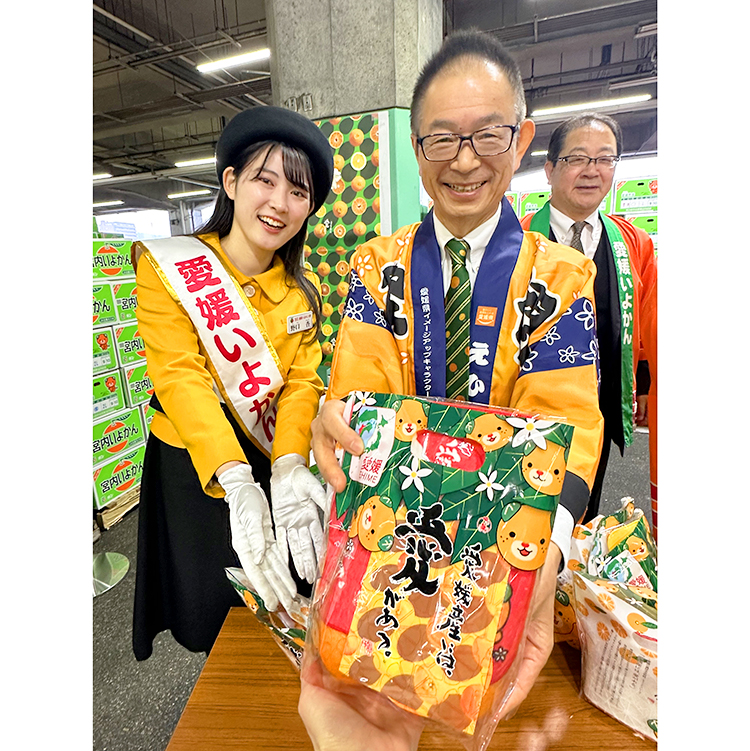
(462, 99)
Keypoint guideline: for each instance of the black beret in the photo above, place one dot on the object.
(278, 124)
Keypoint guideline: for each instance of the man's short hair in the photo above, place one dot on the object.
(457, 47)
(560, 133)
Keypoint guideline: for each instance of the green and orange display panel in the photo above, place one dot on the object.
(350, 215)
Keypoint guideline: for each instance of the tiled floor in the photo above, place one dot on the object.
(137, 705)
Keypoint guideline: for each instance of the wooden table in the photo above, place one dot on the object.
(246, 698)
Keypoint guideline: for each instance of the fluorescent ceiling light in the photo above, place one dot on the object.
(230, 62)
(591, 105)
(189, 193)
(196, 162)
(102, 175)
(629, 83)
(108, 203)
(646, 30)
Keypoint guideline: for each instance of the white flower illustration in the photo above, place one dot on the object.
(530, 430)
(414, 475)
(488, 484)
(528, 363)
(586, 315)
(593, 354)
(568, 354)
(551, 336)
(363, 264)
(354, 310)
(363, 399)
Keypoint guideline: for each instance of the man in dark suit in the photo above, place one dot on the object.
(581, 159)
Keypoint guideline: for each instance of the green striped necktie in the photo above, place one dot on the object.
(457, 319)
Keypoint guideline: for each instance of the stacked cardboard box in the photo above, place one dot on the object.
(121, 386)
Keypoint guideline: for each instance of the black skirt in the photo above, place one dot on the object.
(184, 544)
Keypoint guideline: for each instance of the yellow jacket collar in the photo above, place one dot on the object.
(272, 281)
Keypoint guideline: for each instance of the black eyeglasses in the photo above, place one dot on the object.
(444, 147)
(578, 160)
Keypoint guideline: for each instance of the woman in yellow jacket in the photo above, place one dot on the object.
(230, 321)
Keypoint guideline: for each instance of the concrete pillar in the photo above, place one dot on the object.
(337, 57)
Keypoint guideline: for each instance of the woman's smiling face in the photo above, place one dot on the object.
(269, 210)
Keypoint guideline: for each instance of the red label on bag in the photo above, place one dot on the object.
(449, 451)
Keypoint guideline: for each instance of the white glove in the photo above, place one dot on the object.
(253, 540)
(296, 497)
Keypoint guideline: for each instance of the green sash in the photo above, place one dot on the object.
(625, 288)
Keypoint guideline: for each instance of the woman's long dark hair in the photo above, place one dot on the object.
(298, 171)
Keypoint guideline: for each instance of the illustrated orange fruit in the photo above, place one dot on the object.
(324, 268)
(343, 289)
(341, 308)
(376, 181)
(356, 137)
(575, 565)
(375, 158)
(320, 230)
(338, 186)
(335, 139)
(341, 250)
(603, 631)
(338, 162)
(376, 204)
(308, 265)
(342, 268)
(359, 228)
(593, 605)
(340, 208)
(321, 212)
(335, 120)
(327, 310)
(618, 629)
(374, 133)
(327, 348)
(359, 206)
(339, 230)
(605, 601)
(377, 228)
(358, 160)
(358, 183)
(307, 251)
(637, 623)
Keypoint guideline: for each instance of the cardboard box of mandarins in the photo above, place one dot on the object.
(104, 356)
(137, 383)
(117, 476)
(125, 298)
(130, 347)
(117, 433)
(103, 311)
(433, 552)
(111, 259)
(108, 393)
(530, 203)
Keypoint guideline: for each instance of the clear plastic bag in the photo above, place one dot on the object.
(611, 582)
(433, 552)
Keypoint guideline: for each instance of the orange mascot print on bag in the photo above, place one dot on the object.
(433, 551)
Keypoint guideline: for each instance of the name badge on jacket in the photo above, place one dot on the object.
(299, 322)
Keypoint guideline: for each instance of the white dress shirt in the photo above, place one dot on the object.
(562, 226)
(478, 239)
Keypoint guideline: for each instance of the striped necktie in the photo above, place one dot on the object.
(457, 319)
(577, 231)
